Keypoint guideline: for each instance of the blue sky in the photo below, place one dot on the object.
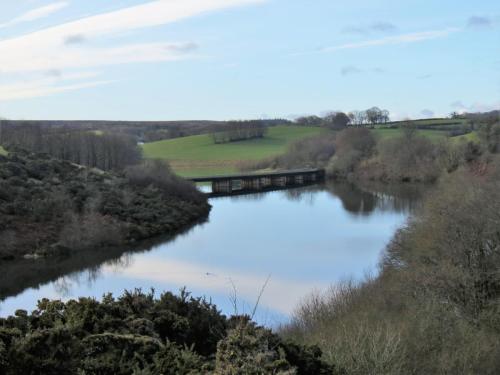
(234, 59)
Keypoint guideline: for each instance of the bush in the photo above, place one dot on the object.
(138, 333)
(49, 206)
(313, 152)
(158, 174)
(90, 230)
(353, 145)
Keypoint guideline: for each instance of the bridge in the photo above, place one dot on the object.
(243, 183)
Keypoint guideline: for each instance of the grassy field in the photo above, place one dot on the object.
(198, 155)
(428, 122)
(434, 135)
(2, 151)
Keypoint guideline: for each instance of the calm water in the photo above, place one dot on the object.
(302, 240)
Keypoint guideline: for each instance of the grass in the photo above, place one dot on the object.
(433, 135)
(428, 122)
(201, 147)
(198, 155)
(2, 151)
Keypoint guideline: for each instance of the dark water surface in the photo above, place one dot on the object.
(301, 239)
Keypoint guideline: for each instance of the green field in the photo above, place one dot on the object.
(198, 155)
(434, 135)
(427, 122)
(201, 147)
(2, 151)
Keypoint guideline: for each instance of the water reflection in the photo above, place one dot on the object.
(305, 238)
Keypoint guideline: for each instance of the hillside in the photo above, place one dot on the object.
(62, 207)
(429, 122)
(197, 155)
(434, 135)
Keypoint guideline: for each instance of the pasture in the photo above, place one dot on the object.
(199, 155)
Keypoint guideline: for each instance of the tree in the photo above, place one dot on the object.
(385, 116)
(337, 120)
(490, 135)
(309, 121)
(374, 115)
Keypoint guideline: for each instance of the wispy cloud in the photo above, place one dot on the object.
(479, 22)
(51, 48)
(393, 40)
(351, 69)
(50, 85)
(69, 46)
(36, 14)
(74, 39)
(380, 26)
(384, 27)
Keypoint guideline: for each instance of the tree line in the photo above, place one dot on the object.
(239, 131)
(105, 151)
(340, 120)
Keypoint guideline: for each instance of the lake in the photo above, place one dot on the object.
(281, 245)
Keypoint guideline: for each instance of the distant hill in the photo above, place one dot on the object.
(145, 131)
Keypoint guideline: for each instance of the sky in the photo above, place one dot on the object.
(240, 59)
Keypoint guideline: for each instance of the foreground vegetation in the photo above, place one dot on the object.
(434, 309)
(141, 334)
(60, 207)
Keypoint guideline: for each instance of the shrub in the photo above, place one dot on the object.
(409, 158)
(90, 230)
(129, 335)
(304, 153)
(158, 174)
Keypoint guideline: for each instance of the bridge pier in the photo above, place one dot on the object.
(299, 179)
(223, 186)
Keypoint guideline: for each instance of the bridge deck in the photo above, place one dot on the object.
(256, 175)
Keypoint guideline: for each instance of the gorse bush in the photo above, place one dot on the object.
(157, 173)
(60, 207)
(138, 333)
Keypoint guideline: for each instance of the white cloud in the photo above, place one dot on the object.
(392, 40)
(39, 88)
(37, 14)
(48, 49)
(91, 57)
(69, 46)
(53, 82)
